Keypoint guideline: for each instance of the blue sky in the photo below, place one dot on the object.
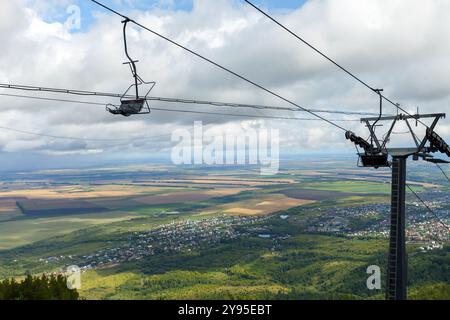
(88, 8)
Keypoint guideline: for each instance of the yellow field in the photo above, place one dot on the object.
(258, 206)
(80, 192)
(239, 180)
(424, 184)
(214, 181)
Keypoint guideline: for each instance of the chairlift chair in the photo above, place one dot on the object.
(371, 157)
(375, 154)
(376, 161)
(128, 108)
(132, 105)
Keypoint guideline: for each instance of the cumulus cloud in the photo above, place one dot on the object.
(399, 45)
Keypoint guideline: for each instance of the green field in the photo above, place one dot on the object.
(361, 187)
(24, 231)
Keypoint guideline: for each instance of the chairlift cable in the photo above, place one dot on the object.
(331, 60)
(179, 110)
(170, 100)
(76, 138)
(443, 172)
(220, 66)
(427, 207)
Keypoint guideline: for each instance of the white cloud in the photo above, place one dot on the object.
(396, 44)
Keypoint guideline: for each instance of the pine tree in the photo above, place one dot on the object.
(37, 288)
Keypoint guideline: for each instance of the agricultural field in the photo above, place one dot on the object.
(263, 205)
(19, 232)
(9, 209)
(39, 208)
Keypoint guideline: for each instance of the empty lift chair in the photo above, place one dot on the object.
(375, 154)
(131, 105)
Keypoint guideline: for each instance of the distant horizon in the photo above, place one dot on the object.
(28, 165)
(18, 163)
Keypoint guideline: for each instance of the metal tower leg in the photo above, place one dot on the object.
(396, 277)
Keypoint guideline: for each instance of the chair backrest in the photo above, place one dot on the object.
(131, 106)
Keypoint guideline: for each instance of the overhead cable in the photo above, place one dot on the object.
(219, 66)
